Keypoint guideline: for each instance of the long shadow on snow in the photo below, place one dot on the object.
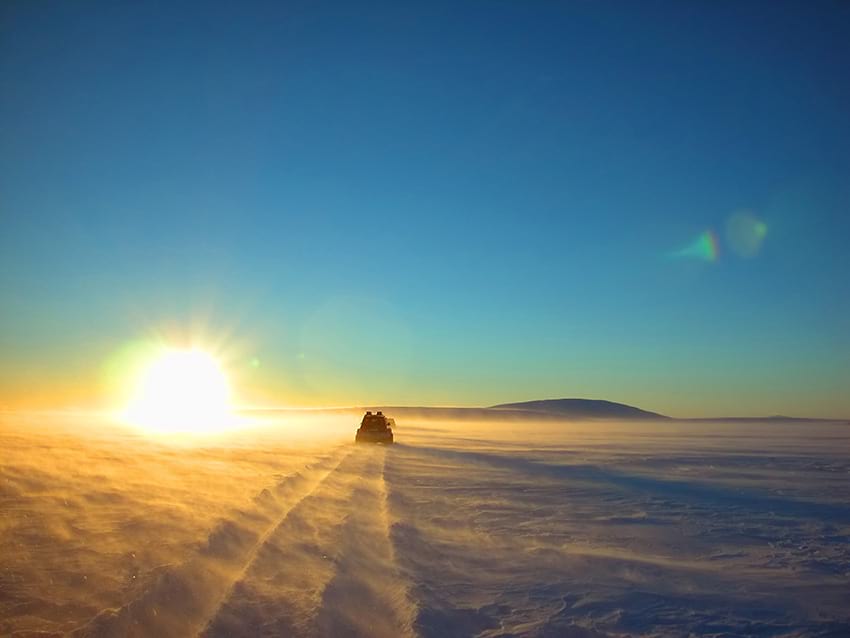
(682, 490)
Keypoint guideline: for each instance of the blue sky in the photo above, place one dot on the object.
(459, 203)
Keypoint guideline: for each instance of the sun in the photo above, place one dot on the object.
(181, 391)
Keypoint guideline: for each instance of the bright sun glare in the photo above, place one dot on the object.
(181, 391)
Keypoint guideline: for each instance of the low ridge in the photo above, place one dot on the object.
(582, 408)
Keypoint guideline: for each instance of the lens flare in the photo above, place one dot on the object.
(745, 233)
(703, 248)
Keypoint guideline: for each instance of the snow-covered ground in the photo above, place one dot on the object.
(461, 529)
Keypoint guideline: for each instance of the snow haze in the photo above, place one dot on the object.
(463, 528)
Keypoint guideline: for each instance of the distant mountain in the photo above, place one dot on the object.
(581, 409)
(777, 418)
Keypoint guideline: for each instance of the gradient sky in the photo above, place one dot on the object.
(451, 203)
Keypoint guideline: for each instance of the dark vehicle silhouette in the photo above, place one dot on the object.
(375, 428)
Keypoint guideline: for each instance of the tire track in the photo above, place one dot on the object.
(368, 595)
(182, 598)
(436, 549)
(281, 589)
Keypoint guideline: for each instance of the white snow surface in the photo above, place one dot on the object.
(463, 528)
